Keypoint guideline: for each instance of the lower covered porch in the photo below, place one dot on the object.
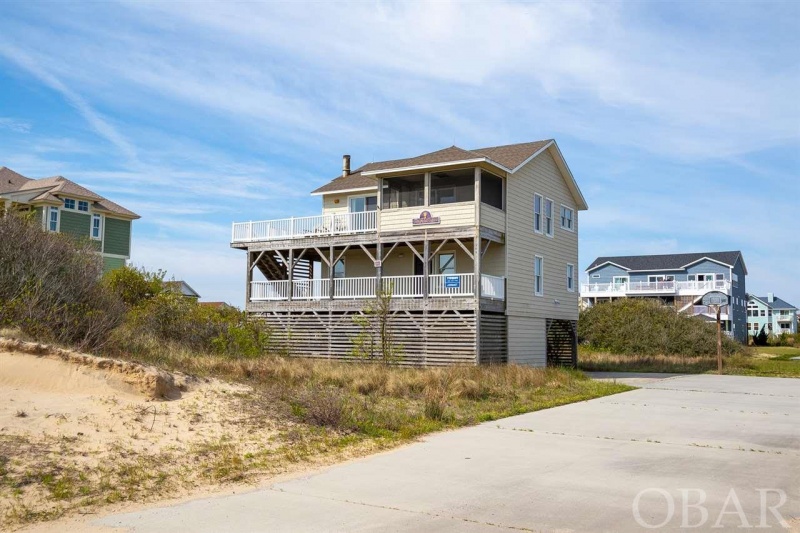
(449, 267)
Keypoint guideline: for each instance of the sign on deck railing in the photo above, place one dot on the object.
(452, 282)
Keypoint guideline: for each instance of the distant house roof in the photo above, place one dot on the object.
(776, 303)
(52, 189)
(184, 288)
(216, 305)
(667, 261)
(506, 157)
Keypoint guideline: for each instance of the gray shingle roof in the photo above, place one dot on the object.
(777, 303)
(509, 156)
(667, 261)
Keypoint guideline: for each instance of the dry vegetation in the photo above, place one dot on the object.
(271, 415)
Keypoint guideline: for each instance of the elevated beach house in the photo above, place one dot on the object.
(478, 247)
(771, 314)
(63, 206)
(677, 279)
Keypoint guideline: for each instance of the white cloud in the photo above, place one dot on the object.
(99, 123)
(17, 126)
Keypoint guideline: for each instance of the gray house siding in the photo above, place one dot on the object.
(738, 310)
(709, 267)
(606, 274)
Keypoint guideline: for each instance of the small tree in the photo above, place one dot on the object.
(376, 339)
(762, 338)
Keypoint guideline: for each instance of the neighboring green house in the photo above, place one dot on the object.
(770, 314)
(63, 206)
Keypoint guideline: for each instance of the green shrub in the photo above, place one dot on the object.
(50, 286)
(135, 285)
(648, 327)
(175, 319)
(784, 339)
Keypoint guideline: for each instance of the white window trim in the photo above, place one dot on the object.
(541, 275)
(102, 224)
(572, 229)
(365, 196)
(455, 261)
(552, 221)
(74, 204)
(78, 206)
(651, 276)
(58, 219)
(541, 213)
(626, 279)
(344, 268)
(571, 277)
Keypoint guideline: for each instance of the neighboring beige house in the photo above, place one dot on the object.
(479, 247)
(63, 206)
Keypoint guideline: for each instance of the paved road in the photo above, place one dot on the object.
(572, 468)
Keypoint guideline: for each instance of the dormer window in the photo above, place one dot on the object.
(83, 206)
(69, 203)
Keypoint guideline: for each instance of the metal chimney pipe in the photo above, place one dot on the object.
(345, 165)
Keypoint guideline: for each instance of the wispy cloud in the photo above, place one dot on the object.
(14, 125)
(99, 123)
(679, 120)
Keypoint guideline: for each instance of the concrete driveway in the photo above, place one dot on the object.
(611, 464)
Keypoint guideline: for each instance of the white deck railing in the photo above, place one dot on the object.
(292, 228)
(439, 286)
(493, 287)
(656, 287)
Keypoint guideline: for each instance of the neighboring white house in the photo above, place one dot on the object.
(479, 248)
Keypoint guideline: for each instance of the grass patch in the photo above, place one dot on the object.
(761, 361)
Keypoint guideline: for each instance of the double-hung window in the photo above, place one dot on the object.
(538, 275)
(97, 227)
(52, 220)
(566, 218)
(83, 205)
(571, 278)
(548, 217)
(537, 213)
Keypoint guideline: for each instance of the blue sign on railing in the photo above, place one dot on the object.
(452, 282)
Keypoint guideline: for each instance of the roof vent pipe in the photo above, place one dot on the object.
(345, 165)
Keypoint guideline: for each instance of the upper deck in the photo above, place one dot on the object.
(366, 223)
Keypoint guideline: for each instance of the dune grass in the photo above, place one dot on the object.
(386, 401)
(310, 412)
(761, 361)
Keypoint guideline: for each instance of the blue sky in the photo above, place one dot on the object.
(680, 121)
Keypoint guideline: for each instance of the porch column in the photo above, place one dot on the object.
(379, 267)
(290, 272)
(330, 272)
(249, 279)
(426, 266)
(6, 208)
